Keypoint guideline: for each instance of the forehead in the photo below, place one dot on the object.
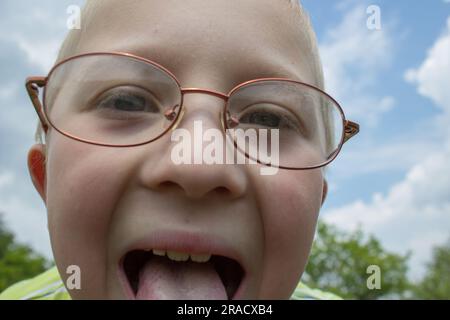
(231, 40)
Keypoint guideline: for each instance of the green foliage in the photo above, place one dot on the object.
(17, 261)
(436, 282)
(338, 263)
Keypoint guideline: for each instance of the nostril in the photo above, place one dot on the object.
(222, 191)
(168, 185)
(170, 115)
(197, 181)
(194, 191)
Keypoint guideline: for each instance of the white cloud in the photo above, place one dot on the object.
(36, 28)
(433, 77)
(39, 53)
(6, 178)
(415, 213)
(353, 57)
(412, 210)
(396, 155)
(23, 213)
(26, 217)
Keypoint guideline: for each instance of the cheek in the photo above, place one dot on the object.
(83, 184)
(290, 203)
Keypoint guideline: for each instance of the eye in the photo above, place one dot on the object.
(271, 117)
(264, 119)
(128, 100)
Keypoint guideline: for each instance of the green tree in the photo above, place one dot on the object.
(338, 263)
(436, 282)
(17, 261)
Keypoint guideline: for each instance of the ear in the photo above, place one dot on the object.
(36, 167)
(325, 190)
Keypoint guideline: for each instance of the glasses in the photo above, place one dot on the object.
(117, 99)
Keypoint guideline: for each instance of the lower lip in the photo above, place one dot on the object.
(129, 293)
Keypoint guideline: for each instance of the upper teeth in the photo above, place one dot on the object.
(182, 256)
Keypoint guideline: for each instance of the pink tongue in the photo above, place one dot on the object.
(163, 279)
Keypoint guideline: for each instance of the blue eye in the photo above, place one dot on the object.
(264, 119)
(128, 102)
(270, 117)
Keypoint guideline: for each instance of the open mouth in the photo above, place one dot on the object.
(160, 274)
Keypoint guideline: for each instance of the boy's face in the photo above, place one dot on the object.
(103, 202)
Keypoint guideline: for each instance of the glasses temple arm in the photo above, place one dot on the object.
(33, 84)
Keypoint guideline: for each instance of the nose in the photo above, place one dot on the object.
(195, 179)
(199, 181)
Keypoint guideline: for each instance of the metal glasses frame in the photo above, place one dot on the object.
(33, 84)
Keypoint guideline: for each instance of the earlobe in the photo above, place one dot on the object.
(36, 168)
(324, 191)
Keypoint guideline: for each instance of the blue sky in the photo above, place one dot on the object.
(392, 180)
(412, 34)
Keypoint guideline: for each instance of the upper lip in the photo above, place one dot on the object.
(188, 242)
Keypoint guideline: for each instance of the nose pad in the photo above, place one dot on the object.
(180, 117)
(232, 121)
(171, 114)
(222, 121)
